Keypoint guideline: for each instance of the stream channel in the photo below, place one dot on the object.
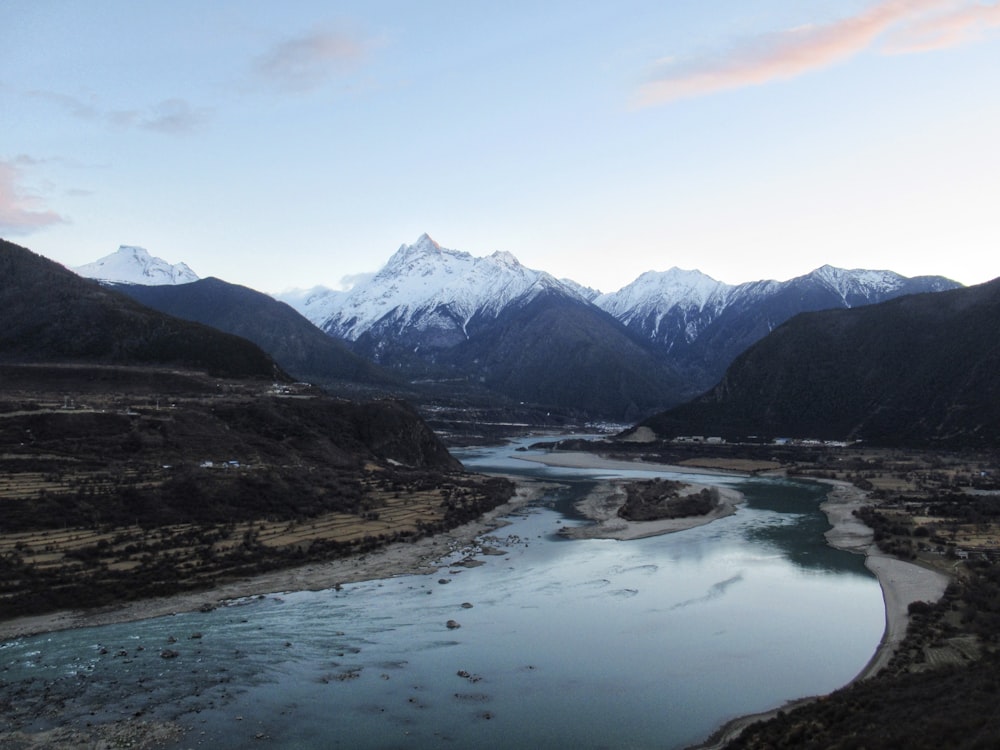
(650, 643)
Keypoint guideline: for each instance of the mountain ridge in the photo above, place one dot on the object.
(48, 313)
(426, 313)
(917, 370)
(296, 344)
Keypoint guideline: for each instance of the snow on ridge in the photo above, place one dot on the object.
(849, 283)
(656, 292)
(429, 287)
(421, 280)
(130, 264)
(314, 304)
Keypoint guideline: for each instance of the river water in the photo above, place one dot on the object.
(651, 643)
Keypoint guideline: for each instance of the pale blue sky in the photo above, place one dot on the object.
(290, 144)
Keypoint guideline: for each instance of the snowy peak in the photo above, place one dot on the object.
(861, 287)
(315, 303)
(857, 282)
(427, 286)
(134, 265)
(668, 306)
(407, 256)
(662, 291)
(675, 307)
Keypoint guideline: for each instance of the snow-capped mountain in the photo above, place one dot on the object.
(861, 287)
(678, 308)
(134, 265)
(664, 305)
(435, 315)
(432, 312)
(316, 304)
(427, 288)
(441, 315)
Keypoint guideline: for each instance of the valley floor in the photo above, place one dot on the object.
(901, 582)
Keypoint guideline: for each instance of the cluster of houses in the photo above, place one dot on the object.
(220, 464)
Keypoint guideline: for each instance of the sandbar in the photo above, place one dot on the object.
(584, 460)
(603, 502)
(902, 582)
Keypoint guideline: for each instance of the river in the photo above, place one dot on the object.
(651, 643)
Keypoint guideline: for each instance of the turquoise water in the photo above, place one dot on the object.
(650, 643)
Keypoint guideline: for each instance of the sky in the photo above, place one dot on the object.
(284, 145)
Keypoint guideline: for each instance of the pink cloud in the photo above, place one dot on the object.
(787, 54)
(305, 62)
(20, 212)
(953, 27)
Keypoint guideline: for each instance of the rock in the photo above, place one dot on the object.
(452, 625)
(466, 605)
(169, 653)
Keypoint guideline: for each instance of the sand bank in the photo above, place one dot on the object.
(420, 557)
(902, 582)
(602, 504)
(583, 460)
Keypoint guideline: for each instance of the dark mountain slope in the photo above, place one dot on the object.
(548, 349)
(918, 370)
(48, 314)
(757, 308)
(561, 351)
(295, 343)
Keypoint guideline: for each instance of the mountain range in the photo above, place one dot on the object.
(435, 315)
(431, 311)
(921, 370)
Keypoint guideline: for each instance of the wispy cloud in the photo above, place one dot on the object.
(350, 281)
(962, 24)
(907, 26)
(172, 116)
(71, 105)
(21, 212)
(306, 62)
